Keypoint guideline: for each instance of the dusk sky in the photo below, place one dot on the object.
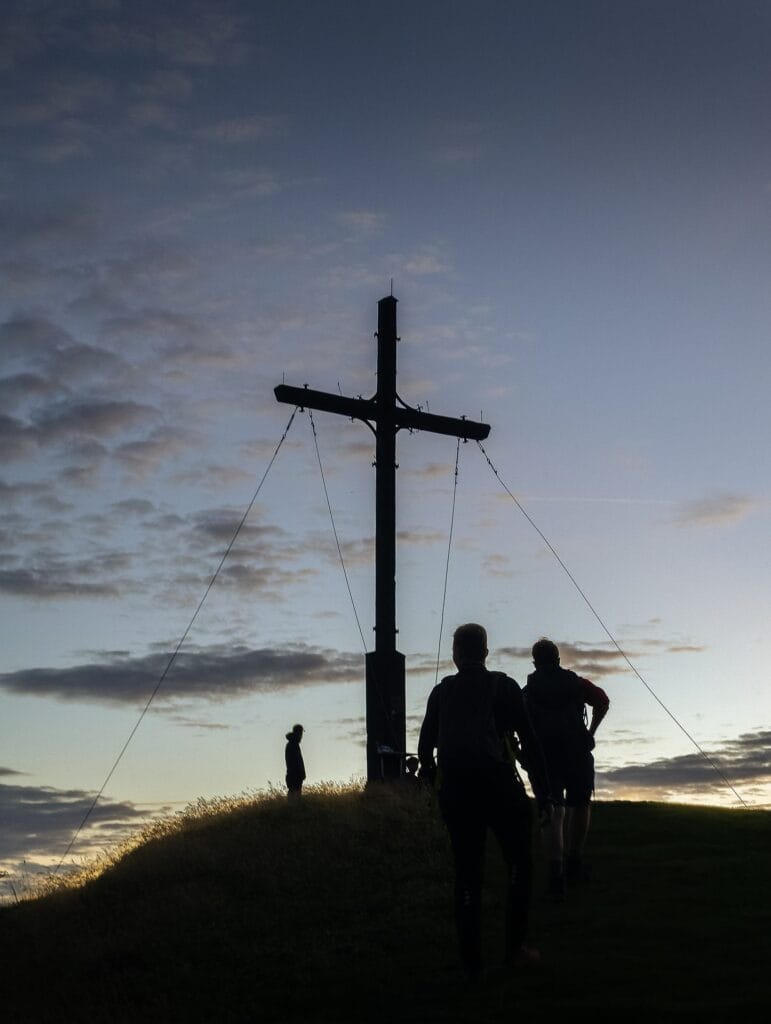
(201, 199)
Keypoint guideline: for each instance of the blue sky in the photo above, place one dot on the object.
(198, 200)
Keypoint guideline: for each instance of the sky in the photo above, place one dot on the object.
(201, 200)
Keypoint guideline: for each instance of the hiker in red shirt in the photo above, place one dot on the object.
(556, 699)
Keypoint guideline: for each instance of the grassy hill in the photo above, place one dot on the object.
(338, 908)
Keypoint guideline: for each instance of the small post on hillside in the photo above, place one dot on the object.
(385, 413)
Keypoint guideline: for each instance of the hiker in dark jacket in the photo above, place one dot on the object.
(468, 716)
(556, 699)
(295, 766)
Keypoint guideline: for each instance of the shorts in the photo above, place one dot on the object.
(571, 775)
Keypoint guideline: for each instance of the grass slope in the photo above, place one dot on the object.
(338, 908)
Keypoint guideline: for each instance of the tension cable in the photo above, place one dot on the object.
(174, 654)
(334, 531)
(447, 564)
(608, 633)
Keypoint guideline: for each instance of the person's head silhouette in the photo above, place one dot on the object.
(469, 645)
(545, 653)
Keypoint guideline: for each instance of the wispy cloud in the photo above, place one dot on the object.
(459, 143)
(365, 221)
(237, 130)
(744, 760)
(63, 223)
(216, 673)
(51, 577)
(39, 821)
(717, 510)
(427, 260)
(89, 419)
(598, 660)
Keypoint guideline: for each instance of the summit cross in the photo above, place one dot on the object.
(385, 414)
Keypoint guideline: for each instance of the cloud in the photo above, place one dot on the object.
(420, 537)
(175, 554)
(95, 419)
(203, 36)
(80, 362)
(717, 510)
(595, 661)
(16, 439)
(499, 566)
(425, 261)
(32, 338)
(195, 34)
(459, 142)
(745, 760)
(55, 98)
(165, 85)
(147, 454)
(251, 183)
(217, 673)
(40, 821)
(598, 660)
(154, 327)
(366, 221)
(62, 224)
(17, 389)
(218, 525)
(431, 471)
(237, 130)
(52, 577)
(138, 507)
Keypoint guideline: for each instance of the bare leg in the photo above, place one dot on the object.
(552, 835)
(552, 838)
(578, 819)
(577, 829)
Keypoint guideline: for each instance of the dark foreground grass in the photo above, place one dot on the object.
(337, 908)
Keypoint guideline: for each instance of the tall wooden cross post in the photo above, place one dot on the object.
(386, 718)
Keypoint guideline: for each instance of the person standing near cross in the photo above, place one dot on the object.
(295, 766)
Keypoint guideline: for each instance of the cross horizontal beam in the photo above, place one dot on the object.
(367, 409)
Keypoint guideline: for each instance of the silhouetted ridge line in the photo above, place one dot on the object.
(174, 654)
(447, 563)
(610, 636)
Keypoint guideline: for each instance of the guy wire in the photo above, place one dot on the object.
(447, 564)
(334, 531)
(173, 656)
(345, 574)
(610, 636)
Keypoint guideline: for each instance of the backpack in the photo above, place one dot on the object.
(468, 725)
(555, 703)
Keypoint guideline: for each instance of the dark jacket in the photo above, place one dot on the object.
(295, 766)
(467, 718)
(555, 698)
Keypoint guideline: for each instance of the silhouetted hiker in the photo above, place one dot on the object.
(295, 766)
(466, 718)
(556, 699)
